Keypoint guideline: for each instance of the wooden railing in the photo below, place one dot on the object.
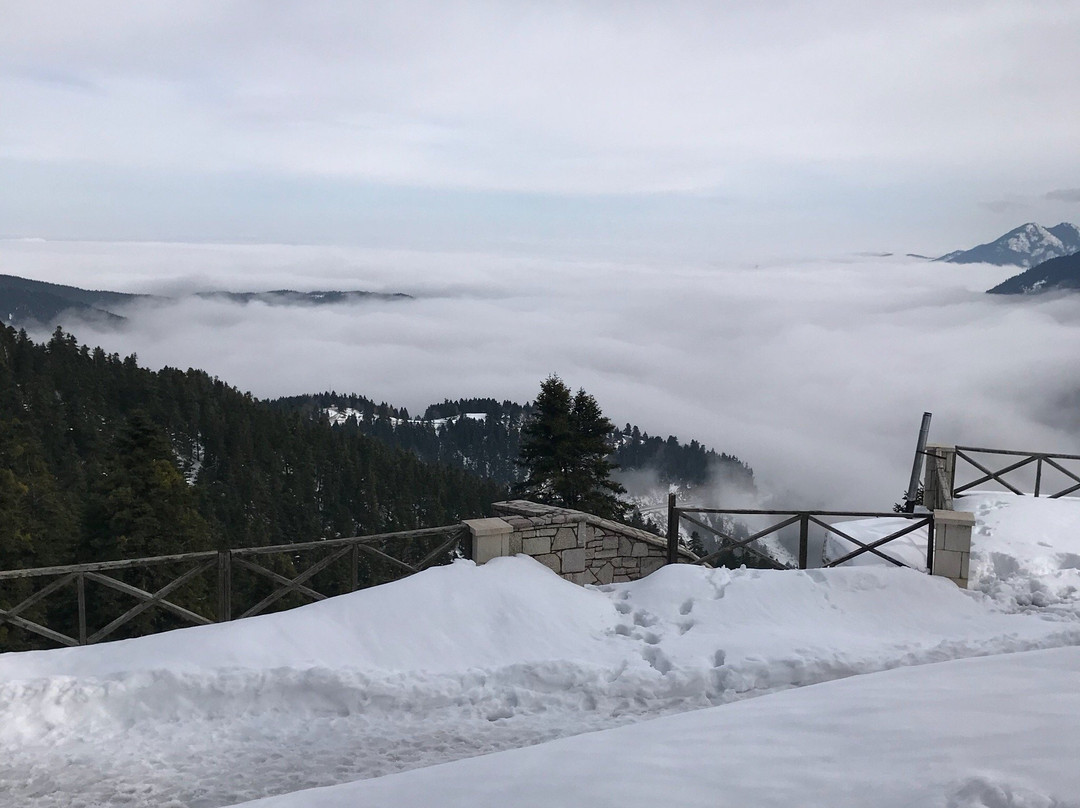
(804, 519)
(346, 564)
(1042, 460)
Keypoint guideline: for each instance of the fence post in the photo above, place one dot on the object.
(1038, 475)
(804, 540)
(224, 613)
(354, 568)
(80, 585)
(672, 530)
(930, 543)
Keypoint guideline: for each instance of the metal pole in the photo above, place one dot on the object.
(804, 540)
(672, 530)
(916, 468)
(1038, 475)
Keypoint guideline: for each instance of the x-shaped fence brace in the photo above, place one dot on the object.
(205, 561)
(1027, 458)
(805, 519)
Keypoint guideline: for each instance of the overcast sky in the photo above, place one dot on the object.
(721, 130)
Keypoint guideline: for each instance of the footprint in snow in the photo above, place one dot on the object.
(644, 619)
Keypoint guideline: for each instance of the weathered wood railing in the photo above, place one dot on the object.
(804, 519)
(1040, 459)
(425, 548)
(943, 463)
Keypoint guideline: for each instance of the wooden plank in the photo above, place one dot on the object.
(1065, 493)
(294, 584)
(44, 592)
(103, 566)
(224, 586)
(673, 515)
(842, 534)
(740, 542)
(992, 475)
(871, 548)
(745, 544)
(142, 594)
(82, 608)
(37, 628)
(421, 533)
(759, 512)
(290, 585)
(1018, 453)
(157, 599)
(438, 551)
(380, 554)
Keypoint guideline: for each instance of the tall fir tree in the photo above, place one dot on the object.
(565, 450)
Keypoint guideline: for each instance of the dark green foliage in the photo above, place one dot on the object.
(565, 446)
(490, 446)
(94, 451)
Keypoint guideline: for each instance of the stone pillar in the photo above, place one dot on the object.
(490, 538)
(939, 476)
(952, 545)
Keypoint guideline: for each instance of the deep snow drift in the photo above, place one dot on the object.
(462, 660)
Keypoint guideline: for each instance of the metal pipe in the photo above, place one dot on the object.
(916, 468)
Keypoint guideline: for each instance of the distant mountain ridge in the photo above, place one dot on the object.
(24, 301)
(1056, 275)
(1026, 246)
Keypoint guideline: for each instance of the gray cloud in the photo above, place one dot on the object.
(815, 373)
(1064, 195)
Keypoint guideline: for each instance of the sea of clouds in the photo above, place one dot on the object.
(816, 373)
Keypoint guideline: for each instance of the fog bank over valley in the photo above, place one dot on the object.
(815, 373)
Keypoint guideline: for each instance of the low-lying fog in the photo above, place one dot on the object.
(814, 373)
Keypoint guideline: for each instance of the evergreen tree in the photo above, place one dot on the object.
(565, 446)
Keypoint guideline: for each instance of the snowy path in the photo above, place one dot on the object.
(453, 663)
(996, 732)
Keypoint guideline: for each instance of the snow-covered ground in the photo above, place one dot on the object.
(462, 660)
(1025, 552)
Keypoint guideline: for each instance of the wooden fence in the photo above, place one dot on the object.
(279, 575)
(1042, 461)
(804, 519)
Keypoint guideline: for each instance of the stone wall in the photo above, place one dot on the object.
(578, 546)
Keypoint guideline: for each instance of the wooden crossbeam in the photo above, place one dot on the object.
(289, 584)
(143, 595)
(438, 551)
(44, 592)
(737, 543)
(12, 615)
(156, 599)
(998, 475)
(872, 546)
(380, 554)
(1068, 474)
(869, 548)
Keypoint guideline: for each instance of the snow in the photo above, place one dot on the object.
(743, 687)
(1025, 551)
(998, 732)
(339, 415)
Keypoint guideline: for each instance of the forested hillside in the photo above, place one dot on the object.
(483, 435)
(103, 459)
